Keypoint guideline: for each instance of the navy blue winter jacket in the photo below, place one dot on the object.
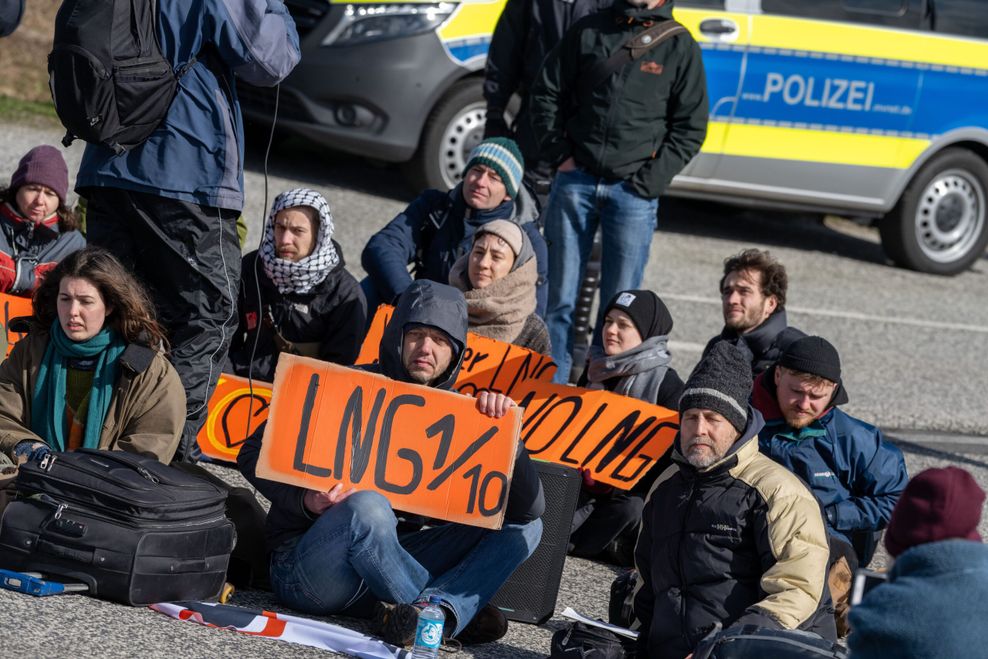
(197, 152)
(433, 232)
(855, 474)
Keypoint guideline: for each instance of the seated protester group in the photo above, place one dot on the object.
(498, 277)
(855, 474)
(728, 536)
(91, 372)
(340, 551)
(37, 229)
(437, 228)
(935, 599)
(753, 300)
(296, 295)
(634, 361)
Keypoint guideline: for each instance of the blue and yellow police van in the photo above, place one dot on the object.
(868, 108)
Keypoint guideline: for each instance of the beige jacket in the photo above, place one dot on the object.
(146, 415)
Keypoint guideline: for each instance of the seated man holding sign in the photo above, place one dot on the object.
(728, 536)
(340, 551)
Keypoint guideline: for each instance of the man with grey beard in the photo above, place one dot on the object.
(728, 536)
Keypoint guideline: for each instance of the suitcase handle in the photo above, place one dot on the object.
(78, 555)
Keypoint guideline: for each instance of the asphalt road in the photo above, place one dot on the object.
(913, 348)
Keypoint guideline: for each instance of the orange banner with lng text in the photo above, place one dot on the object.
(430, 452)
(14, 307)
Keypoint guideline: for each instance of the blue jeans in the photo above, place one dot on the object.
(353, 550)
(578, 203)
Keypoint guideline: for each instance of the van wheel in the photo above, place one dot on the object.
(454, 128)
(940, 224)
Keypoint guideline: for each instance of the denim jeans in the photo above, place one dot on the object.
(353, 550)
(578, 203)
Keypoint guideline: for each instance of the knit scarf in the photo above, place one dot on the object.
(300, 276)
(48, 401)
(499, 310)
(641, 369)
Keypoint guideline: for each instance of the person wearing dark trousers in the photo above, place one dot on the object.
(633, 361)
(168, 208)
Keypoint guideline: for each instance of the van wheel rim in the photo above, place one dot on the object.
(950, 216)
(462, 134)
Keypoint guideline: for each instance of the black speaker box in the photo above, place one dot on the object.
(529, 595)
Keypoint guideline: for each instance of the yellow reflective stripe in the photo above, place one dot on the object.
(472, 19)
(813, 145)
(867, 41)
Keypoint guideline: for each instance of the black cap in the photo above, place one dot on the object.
(814, 355)
(646, 310)
(720, 382)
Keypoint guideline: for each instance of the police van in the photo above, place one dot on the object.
(868, 108)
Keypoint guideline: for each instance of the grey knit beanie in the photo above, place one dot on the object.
(720, 382)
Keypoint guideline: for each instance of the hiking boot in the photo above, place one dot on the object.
(487, 626)
(396, 623)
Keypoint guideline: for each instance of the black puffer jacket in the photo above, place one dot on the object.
(644, 123)
(740, 542)
(763, 345)
(424, 302)
(327, 323)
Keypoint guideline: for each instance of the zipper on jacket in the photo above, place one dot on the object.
(86, 510)
(682, 577)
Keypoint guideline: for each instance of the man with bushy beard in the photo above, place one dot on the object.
(728, 536)
(855, 474)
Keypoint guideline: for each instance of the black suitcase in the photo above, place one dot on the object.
(132, 529)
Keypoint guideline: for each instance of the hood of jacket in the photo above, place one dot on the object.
(428, 303)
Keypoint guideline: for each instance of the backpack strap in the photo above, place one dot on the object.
(631, 50)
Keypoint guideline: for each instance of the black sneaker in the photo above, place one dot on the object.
(487, 626)
(396, 623)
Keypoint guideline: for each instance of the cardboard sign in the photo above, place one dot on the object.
(487, 363)
(13, 307)
(235, 411)
(430, 452)
(617, 438)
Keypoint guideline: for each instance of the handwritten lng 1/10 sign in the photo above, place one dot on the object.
(430, 452)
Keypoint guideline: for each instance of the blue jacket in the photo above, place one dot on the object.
(434, 231)
(197, 153)
(855, 474)
(934, 606)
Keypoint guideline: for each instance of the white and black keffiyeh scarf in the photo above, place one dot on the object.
(300, 276)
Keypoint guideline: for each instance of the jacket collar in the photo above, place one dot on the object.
(47, 225)
(760, 339)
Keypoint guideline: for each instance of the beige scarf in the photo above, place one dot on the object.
(499, 310)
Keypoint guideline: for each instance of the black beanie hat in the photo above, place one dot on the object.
(720, 382)
(815, 355)
(647, 311)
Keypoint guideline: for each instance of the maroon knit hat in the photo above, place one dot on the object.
(42, 165)
(937, 504)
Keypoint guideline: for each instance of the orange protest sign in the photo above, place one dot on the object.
(235, 410)
(430, 452)
(13, 307)
(487, 363)
(617, 438)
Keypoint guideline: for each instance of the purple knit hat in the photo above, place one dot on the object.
(42, 165)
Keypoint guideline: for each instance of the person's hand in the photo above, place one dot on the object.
(318, 502)
(567, 165)
(30, 449)
(493, 404)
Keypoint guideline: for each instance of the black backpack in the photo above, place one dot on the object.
(108, 79)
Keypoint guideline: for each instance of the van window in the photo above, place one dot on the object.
(964, 17)
(892, 13)
(701, 4)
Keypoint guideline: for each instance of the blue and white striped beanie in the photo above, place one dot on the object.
(502, 155)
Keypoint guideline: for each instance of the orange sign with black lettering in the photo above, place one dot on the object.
(14, 307)
(430, 452)
(236, 409)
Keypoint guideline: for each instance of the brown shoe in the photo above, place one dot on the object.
(396, 623)
(487, 626)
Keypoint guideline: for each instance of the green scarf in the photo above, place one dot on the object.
(48, 402)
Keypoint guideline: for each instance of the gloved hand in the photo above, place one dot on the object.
(30, 449)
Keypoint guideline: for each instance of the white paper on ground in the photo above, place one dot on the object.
(579, 617)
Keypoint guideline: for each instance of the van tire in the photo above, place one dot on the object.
(454, 127)
(940, 224)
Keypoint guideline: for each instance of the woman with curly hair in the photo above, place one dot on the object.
(37, 229)
(92, 370)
